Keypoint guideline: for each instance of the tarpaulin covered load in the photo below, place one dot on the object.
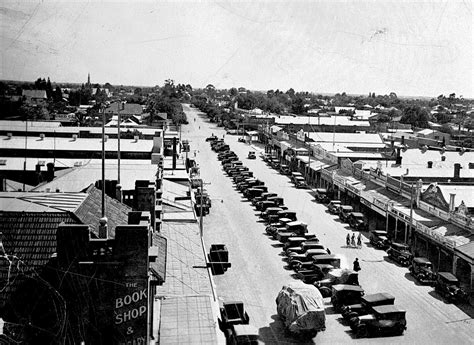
(301, 307)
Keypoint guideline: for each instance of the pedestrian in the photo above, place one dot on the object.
(329, 252)
(356, 265)
(348, 240)
(359, 241)
(353, 242)
(199, 127)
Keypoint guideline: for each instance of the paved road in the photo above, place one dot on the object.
(258, 271)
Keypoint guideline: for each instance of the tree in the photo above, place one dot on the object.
(415, 116)
(291, 92)
(233, 92)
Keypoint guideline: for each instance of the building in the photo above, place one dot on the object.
(35, 97)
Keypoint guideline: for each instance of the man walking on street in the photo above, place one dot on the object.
(348, 240)
(353, 242)
(356, 265)
(359, 241)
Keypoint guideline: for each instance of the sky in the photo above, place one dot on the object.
(422, 48)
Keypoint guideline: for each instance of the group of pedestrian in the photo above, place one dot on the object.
(350, 241)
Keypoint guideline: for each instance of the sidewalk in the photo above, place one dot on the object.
(188, 311)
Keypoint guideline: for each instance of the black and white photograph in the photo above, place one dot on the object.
(236, 172)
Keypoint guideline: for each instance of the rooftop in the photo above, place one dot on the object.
(358, 138)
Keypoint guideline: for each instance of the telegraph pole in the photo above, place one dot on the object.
(103, 160)
(118, 141)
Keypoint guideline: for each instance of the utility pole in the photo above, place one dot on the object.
(103, 160)
(411, 212)
(200, 211)
(26, 151)
(119, 104)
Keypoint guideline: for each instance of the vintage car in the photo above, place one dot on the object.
(379, 239)
(384, 320)
(344, 212)
(223, 155)
(283, 214)
(358, 221)
(212, 138)
(242, 335)
(333, 206)
(345, 294)
(448, 286)
(232, 313)
(321, 195)
(422, 270)
(300, 182)
(303, 247)
(269, 211)
(284, 169)
(251, 155)
(301, 308)
(318, 257)
(366, 304)
(293, 228)
(296, 261)
(275, 163)
(334, 276)
(251, 193)
(241, 140)
(400, 253)
(262, 197)
(277, 226)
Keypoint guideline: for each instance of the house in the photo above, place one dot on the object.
(434, 135)
(35, 97)
(125, 109)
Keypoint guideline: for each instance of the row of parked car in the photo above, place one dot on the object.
(295, 177)
(312, 262)
(369, 315)
(420, 268)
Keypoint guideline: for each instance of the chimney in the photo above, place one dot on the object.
(174, 153)
(38, 168)
(443, 150)
(452, 196)
(106, 137)
(398, 158)
(103, 228)
(118, 192)
(42, 136)
(50, 172)
(430, 164)
(135, 138)
(9, 135)
(74, 137)
(443, 158)
(403, 140)
(457, 170)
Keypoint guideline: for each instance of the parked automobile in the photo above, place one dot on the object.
(303, 247)
(448, 286)
(241, 140)
(333, 206)
(366, 304)
(317, 268)
(243, 335)
(262, 197)
(251, 155)
(379, 239)
(300, 182)
(295, 175)
(294, 242)
(384, 320)
(282, 214)
(280, 225)
(344, 211)
(211, 138)
(305, 261)
(251, 193)
(225, 154)
(284, 169)
(321, 195)
(295, 228)
(218, 258)
(358, 221)
(222, 148)
(232, 313)
(308, 316)
(242, 175)
(274, 163)
(269, 211)
(344, 294)
(334, 276)
(400, 253)
(422, 269)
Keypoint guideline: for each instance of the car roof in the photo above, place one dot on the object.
(378, 297)
(322, 266)
(321, 190)
(274, 209)
(448, 276)
(396, 244)
(346, 207)
(296, 222)
(287, 211)
(335, 202)
(318, 252)
(357, 214)
(422, 260)
(296, 239)
(379, 232)
(387, 309)
(246, 330)
(346, 287)
(325, 257)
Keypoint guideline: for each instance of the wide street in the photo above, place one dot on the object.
(258, 270)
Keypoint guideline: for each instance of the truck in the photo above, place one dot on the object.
(301, 308)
